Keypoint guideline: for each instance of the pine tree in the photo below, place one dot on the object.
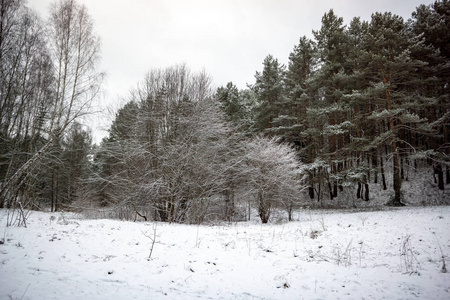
(393, 73)
(432, 23)
(269, 90)
(229, 98)
(327, 114)
(353, 148)
(302, 62)
(293, 125)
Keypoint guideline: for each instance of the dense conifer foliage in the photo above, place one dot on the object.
(362, 100)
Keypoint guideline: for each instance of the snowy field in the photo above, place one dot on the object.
(393, 254)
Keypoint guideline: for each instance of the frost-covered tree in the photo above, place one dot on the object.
(170, 154)
(273, 176)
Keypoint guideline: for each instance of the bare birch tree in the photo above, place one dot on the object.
(25, 88)
(74, 53)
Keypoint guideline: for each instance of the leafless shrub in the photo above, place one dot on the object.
(322, 223)
(408, 260)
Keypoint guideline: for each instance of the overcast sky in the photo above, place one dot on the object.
(229, 39)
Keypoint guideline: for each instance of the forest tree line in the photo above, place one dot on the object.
(358, 100)
(358, 104)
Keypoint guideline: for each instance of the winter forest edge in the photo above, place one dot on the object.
(359, 119)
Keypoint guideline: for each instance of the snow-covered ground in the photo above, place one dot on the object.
(393, 254)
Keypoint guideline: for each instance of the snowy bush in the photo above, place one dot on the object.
(273, 176)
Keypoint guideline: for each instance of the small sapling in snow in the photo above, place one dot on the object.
(363, 219)
(152, 236)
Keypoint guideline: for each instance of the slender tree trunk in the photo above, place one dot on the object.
(330, 188)
(397, 178)
(335, 189)
(311, 191)
(319, 192)
(52, 204)
(57, 189)
(383, 176)
(375, 165)
(290, 210)
(366, 191)
(311, 187)
(264, 209)
(438, 170)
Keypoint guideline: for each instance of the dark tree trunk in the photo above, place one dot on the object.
(375, 165)
(263, 209)
(311, 192)
(383, 176)
(57, 189)
(319, 192)
(290, 210)
(438, 170)
(52, 203)
(229, 205)
(397, 178)
(402, 169)
(366, 191)
(330, 188)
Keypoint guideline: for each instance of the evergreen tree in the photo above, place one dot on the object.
(302, 62)
(358, 106)
(77, 144)
(294, 124)
(432, 23)
(393, 74)
(229, 98)
(269, 90)
(327, 114)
